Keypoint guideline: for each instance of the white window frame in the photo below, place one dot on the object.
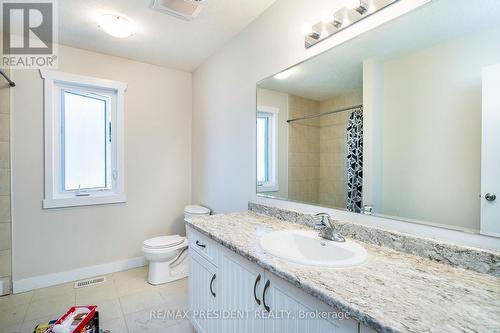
(272, 185)
(55, 196)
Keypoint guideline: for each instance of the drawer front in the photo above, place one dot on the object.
(203, 245)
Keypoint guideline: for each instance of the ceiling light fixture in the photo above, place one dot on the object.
(285, 74)
(116, 26)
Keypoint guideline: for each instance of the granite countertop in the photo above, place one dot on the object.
(391, 292)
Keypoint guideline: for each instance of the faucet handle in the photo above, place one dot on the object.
(320, 226)
(326, 228)
(322, 221)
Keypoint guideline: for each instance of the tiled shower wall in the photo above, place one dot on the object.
(317, 149)
(5, 219)
(303, 150)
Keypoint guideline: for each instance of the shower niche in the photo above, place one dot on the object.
(392, 123)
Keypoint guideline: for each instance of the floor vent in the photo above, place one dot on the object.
(90, 282)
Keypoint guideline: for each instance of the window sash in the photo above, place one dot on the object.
(58, 167)
(107, 139)
(266, 154)
(270, 148)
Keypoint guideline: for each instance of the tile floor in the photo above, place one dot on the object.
(124, 302)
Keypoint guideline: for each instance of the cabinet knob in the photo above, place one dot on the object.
(490, 197)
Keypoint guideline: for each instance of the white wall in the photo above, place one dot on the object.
(158, 113)
(224, 103)
(432, 131)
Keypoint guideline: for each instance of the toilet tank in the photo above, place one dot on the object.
(195, 210)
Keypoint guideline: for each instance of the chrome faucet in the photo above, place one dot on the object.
(326, 228)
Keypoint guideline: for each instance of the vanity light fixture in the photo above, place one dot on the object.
(352, 12)
(358, 5)
(310, 32)
(116, 26)
(337, 22)
(330, 19)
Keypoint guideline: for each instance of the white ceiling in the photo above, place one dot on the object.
(340, 70)
(160, 39)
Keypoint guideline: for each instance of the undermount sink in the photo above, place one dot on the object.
(307, 248)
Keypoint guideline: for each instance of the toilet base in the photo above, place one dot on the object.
(161, 272)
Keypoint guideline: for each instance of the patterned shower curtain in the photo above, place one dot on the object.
(355, 161)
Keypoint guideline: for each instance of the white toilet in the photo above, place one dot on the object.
(167, 254)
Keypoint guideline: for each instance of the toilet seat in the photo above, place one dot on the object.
(196, 210)
(163, 242)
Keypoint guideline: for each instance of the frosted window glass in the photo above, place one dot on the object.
(84, 142)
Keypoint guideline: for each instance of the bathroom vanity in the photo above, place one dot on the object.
(225, 283)
(392, 291)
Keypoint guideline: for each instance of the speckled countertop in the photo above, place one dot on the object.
(391, 292)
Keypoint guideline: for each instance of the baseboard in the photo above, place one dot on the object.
(42, 281)
(4, 286)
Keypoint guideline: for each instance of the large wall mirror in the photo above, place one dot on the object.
(401, 122)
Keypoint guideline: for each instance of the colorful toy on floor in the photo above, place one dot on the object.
(78, 319)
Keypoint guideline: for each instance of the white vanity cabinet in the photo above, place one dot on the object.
(203, 288)
(281, 296)
(242, 281)
(257, 300)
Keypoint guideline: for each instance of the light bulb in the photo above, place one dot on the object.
(326, 17)
(353, 4)
(306, 29)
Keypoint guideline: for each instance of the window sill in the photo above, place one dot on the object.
(84, 201)
(267, 188)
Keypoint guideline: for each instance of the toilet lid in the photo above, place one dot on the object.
(163, 241)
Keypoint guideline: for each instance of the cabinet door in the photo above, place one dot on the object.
(202, 293)
(293, 311)
(239, 278)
